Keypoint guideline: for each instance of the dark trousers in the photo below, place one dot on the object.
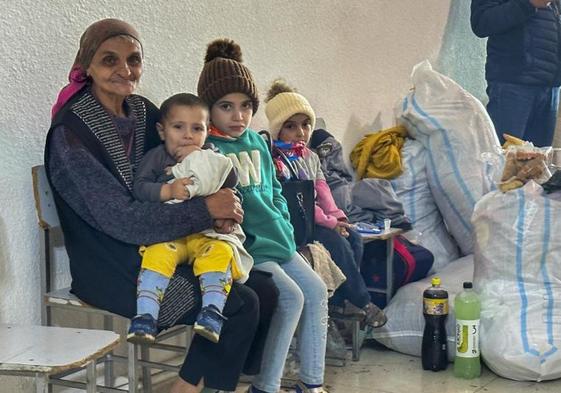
(220, 365)
(249, 310)
(268, 294)
(526, 112)
(347, 254)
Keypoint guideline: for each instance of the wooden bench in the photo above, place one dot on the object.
(44, 351)
(62, 299)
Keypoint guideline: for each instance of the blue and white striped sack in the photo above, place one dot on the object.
(518, 276)
(456, 130)
(412, 189)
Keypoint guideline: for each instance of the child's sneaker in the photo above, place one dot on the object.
(209, 323)
(375, 317)
(348, 311)
(301, 387)
(143, 329)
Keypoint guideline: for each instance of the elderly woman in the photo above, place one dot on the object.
(99, 133)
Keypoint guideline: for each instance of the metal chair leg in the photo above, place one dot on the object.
(91, 377)
(356, 341)
(41, 383)
(132, 367)
(108, 370)
(146, 375)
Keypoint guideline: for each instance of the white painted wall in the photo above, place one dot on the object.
(350, 59)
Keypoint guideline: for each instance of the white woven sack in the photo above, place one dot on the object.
(413, 190)
(518, 275)
(455, 129)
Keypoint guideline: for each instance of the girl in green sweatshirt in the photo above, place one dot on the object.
(228, 88)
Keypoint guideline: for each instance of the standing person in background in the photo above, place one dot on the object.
(523, 68)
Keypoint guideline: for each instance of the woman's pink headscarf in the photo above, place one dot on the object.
(90, 41)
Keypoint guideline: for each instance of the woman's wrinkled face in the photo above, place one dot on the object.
(116, 67)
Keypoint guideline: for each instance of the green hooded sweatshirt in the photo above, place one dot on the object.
(266, 220)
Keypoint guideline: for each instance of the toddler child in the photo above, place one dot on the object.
(218, 256)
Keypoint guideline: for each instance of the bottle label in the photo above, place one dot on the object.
(435, 306)
(467, 338)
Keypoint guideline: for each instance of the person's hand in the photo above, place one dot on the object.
(540, 3)
(179, 189)
(224, 204)
(183, 151)
(224, 226)
(175, 190)
(341, 228)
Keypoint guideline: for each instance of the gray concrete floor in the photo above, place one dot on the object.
(384, 371)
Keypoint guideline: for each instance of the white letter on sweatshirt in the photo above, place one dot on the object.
(247, 168)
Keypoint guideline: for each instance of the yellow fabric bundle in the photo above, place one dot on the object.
(379, 154)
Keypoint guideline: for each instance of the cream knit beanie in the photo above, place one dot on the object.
(283, 103)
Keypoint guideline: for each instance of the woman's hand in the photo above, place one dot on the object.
(224, 226)
(224, 204)
(540, 3)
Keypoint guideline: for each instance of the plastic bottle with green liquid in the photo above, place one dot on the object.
(467, 307)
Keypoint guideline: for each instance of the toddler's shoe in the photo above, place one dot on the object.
(143, 329)
(209, 323)
(375, 317)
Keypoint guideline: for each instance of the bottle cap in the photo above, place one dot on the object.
(435, 281)
(468, 284)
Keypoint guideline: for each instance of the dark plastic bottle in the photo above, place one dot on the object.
(435, 309)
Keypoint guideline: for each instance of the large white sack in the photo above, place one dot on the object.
(412, 189)
(404, 330)
(455, 129)
(518, 274)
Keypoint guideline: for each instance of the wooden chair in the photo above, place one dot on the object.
(63, 299)
(43, 351)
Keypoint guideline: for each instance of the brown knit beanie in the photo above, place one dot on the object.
(224, 73)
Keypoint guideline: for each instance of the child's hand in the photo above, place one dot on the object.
(341, 228)
(175, 190)
(179, 189)
(225, 226)
(184, 151)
